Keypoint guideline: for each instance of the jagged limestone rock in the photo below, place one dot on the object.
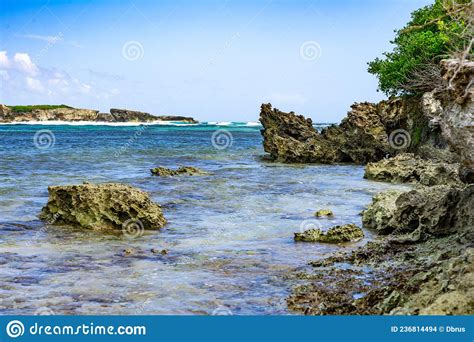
(107, 206)
(408, 168)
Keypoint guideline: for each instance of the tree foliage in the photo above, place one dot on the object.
(434, 32)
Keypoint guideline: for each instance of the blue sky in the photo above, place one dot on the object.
(213, 60)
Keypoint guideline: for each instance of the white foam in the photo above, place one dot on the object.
(133, 124)
(253, 124)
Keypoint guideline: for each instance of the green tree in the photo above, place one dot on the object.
(434, 32)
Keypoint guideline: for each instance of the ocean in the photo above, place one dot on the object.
(229, 237)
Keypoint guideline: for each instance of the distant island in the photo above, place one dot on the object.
(33, 113)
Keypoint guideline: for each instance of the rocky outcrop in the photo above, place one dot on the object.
(408, 168)
(437, 126)
(292, 138)
(452, 110)
(65, 113)
(289, 137)
(55, 114)
(431, 278)
(187, 119)
(380, 211)
(423, 266)
(124, 115)
(336, 234)
(422, 212)
(370, 132)
(109, 206)
(184, 170)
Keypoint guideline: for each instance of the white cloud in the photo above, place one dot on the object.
(22, 80)
(4, 74)
(34, 84)
(22, 61)
(4, 62)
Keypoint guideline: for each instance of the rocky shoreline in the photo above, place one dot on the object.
(19, 114)
(423, 260)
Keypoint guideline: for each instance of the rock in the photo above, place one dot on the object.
(129, 251)
(323, 212)
(425, 211)
(5, 112)
(379, 213)
(66, 113)
(187, 119)
(434, 277)
(455, 112)
(292, 138)
(158, 251)
(55, 114)
(105, 117)
(336, 234)
(184, 170)
(408, 168)
(373, 131)
(108, 206)
(125, 115)
(362, 134)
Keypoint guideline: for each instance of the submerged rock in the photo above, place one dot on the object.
(406, 168)
(323, 212)
(336, 234)
(109, 206)
(434, 277)
(184, 170)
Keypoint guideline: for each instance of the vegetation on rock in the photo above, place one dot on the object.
(23, 109)
(435, 32)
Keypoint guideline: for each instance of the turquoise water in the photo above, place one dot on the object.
(229, 237)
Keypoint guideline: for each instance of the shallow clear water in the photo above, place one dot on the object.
(229, 237)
